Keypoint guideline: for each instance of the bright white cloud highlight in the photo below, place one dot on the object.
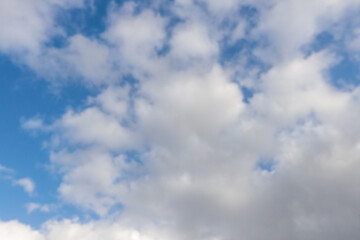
(14, 230)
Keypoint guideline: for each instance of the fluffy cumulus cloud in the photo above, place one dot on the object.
(25, 25)
(172, 146)
(14, 230)
(72, 229)
(81, 58)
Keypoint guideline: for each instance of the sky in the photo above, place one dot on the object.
(179, 119)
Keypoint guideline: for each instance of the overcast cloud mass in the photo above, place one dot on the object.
(198, 119)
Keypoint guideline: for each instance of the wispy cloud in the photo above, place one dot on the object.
(5, 169)
(31, 207)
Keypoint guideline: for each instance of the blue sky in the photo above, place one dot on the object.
(179, 119)
(23, 96)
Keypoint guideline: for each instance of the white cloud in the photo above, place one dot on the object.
(354, 42)
(14, 230)
(25, 26)
(222, 7)
(25, 183)
(5, 169)
(292, 24)
(92, 126)
(72, 230)
(31, 207)
(82, 58)
(204, 147)
(201, 103)
(33, 124)
(114, 101)
(198, 143)
(93, 179)
(298, 88)
(135, 50)
(192, 40)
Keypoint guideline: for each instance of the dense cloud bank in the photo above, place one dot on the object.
(182, 147)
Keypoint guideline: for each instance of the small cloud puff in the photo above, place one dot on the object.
(26, 183)
(31, 207)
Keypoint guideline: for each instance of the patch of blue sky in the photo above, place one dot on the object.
(245, 45)
(344, 74)
(23, 96)
(266, 164)
(172, 23)
(13, 204)
(231, 51)
(132, 155)
(14, 200)
(250, 14)
(89, 21)
(248, 93)
(244, 48)
(69, 211)
(322, 41)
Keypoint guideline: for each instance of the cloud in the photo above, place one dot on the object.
(25, 183)
(33, 124)
(101, 129)
(31, 207)
(135, 51)
(92, 178)
(222, 8)
(72, 229)
(192, 40)
(26, 26)
(353, 43)
(290, 25)
(14, 230)
(5, 169)
(177, 153)
(82, 58)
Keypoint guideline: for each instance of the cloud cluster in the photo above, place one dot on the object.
(176, 152)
